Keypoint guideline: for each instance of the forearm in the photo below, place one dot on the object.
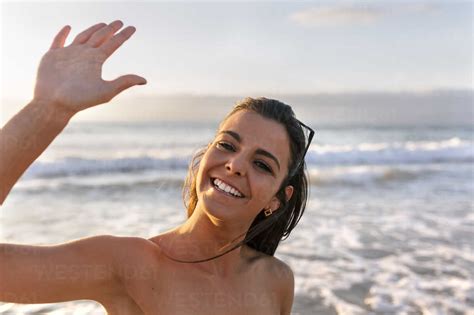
(25, 137)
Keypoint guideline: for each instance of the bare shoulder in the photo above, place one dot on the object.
(120, 245)
(129, 250)
(275, 267)
(135, 243)
(280, 271)
(281, 277)
(276, 272)
(127, 255)
(284, 281)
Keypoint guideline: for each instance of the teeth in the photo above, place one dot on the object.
(223, 186)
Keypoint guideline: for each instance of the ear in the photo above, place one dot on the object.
(275, 203)
(289, 192)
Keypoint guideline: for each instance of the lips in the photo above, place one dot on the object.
(226, 188)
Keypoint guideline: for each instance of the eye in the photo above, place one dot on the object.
(264, 166)
(225, 146)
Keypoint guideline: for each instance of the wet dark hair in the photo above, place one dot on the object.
(265, 233)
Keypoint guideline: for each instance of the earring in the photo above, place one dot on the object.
(268, 212)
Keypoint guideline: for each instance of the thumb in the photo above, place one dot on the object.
(126, 81)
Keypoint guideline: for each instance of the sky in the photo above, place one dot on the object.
(255, 48)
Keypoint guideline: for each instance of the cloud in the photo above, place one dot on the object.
(335, 16)
(328, 16)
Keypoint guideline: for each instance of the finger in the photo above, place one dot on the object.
(103, 34)
(124, 82)
(60, 38)
(115, 42)
(84, 36)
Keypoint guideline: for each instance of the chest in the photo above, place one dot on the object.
(176, 292)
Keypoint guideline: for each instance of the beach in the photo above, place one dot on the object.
(387, 86)
(388, 228)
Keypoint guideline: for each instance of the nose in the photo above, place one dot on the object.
(236, 166)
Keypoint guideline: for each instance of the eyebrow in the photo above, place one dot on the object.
(237, 137)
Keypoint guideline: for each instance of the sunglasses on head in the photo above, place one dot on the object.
(310, 134)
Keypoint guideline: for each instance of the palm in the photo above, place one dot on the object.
(71, 76)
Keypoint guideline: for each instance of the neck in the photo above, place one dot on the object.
(202, 237)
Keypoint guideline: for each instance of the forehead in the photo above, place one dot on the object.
(259, 131)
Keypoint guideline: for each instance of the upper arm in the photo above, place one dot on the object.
(82, 269)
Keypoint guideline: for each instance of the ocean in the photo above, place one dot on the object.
(388, 229)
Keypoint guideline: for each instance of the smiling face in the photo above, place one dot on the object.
(241, 171)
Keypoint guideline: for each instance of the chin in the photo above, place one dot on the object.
(216, 210)
(212, 206)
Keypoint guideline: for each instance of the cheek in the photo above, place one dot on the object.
(200, 178)
(264, 189)
(207, 161)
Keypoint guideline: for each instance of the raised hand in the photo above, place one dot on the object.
(69, 80)
(71, 76)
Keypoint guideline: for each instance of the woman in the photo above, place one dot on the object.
(245, 191)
